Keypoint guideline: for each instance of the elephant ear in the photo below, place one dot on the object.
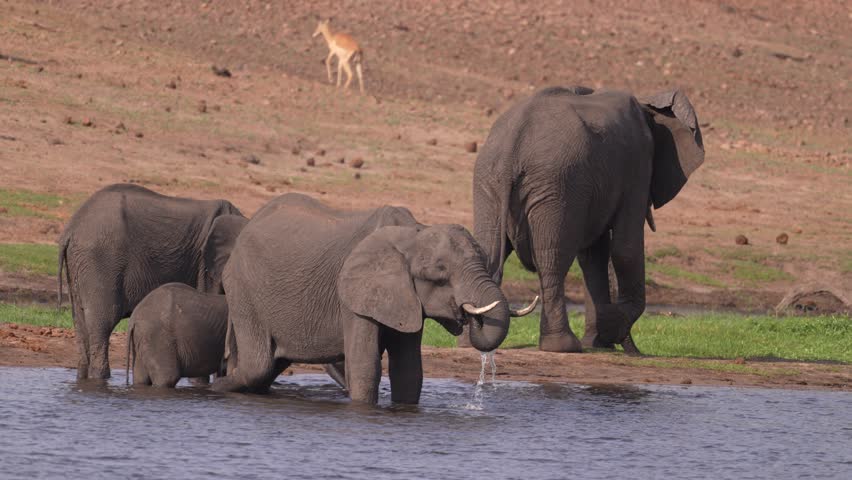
(217, 248)
(375, 281)
(678, 146)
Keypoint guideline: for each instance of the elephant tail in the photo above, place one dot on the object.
(131, 353)
(63, 264)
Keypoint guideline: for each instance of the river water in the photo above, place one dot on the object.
(53, 427)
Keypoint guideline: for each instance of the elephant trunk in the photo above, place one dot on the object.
(488, 329)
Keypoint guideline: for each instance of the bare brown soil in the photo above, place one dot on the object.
(107, 91)
(28, 346)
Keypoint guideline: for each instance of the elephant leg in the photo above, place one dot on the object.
(256, 366)
(163, 364)
(594, 261)
(628, 259)
(82, 338)
(555, 333)
(100, 321)
(405, 366)
(337, 372)
(363, 359)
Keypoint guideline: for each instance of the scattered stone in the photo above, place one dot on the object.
(739, 361)
(87, 122)
(119, 127)
(202, 106)
(797, 231)
(310, 162)
(341, 160)
(139, 135)
(782, 239)
(50, 228)
(470, 147)
(401, 27)
(737, 53)
(432, 141)
(741, 240)
(357, 176)
(357, 162)
(321, 152)
(68, 120)
(270, 188)
(222, 72)
(295, 150)
(168, 109)
(216, 108)
(172, 84)
(686, 381)
(39, 69)
(489, 112)
(252, 159)
(4, 210)
(55, 141)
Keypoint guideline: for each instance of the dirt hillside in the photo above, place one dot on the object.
(96, 92)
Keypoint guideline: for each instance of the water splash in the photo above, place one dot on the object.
(486, 358)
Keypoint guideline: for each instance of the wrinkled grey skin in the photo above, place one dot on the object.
(563, 170)
(124, 242)
(310, 284)
(175, 332)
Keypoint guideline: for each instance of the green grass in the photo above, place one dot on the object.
(707, 336)
(674, 272)
(757, 273)
(24, 203)
(43, 316)
(34, 258)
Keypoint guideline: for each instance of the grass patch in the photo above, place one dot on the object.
(707, 336)
(757, 272)
(43, 316)
(674, 272)
(33, 258)
(664, 252)
(24, 203)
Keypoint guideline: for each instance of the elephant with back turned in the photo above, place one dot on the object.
(573, 172)
(125, 241)
(307, 283)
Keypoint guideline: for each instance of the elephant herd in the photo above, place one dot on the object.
(567, 173)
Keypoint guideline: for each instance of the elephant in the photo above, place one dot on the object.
(571, 172)
(175, 332)
(311, 284)
(125, 241)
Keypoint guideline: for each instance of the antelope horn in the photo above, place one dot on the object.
(524, 311)
(479, 310)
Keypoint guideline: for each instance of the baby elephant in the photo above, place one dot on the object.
(176, 331)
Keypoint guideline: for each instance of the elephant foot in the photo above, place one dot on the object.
(226, 384)
(199, 381)
(560, 342)
(593, 341)
(101, 373)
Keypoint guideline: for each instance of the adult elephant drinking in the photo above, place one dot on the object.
(125, 241)
(571, 172)
(307, 283)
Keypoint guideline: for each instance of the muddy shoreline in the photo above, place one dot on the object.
(30, 346)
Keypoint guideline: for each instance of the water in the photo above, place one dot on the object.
(52, 427)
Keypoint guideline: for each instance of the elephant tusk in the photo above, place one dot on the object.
(649, 217)
(524, 311)
(478, 310)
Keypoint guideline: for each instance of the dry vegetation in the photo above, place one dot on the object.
(97, 92)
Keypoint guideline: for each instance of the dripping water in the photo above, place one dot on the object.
(485, 358)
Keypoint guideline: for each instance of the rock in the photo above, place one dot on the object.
(432, 141)
(270, 188)
(321, 152)
(736, 52)
(341, 160)
(119, 127)
(470, 147)
(139, 135)
(782, 239)
(68, 120)
(4, 210)
(739, 361)
(48, 229)
(222, 72)
(295, 150)
(87, 122)
(357, 176)
(202, 106)
(252, 159)
(741, 240)
(686, 381)
(489, 112)
(357, 162)
(798, 231)
(172, 84)
(310, 162)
